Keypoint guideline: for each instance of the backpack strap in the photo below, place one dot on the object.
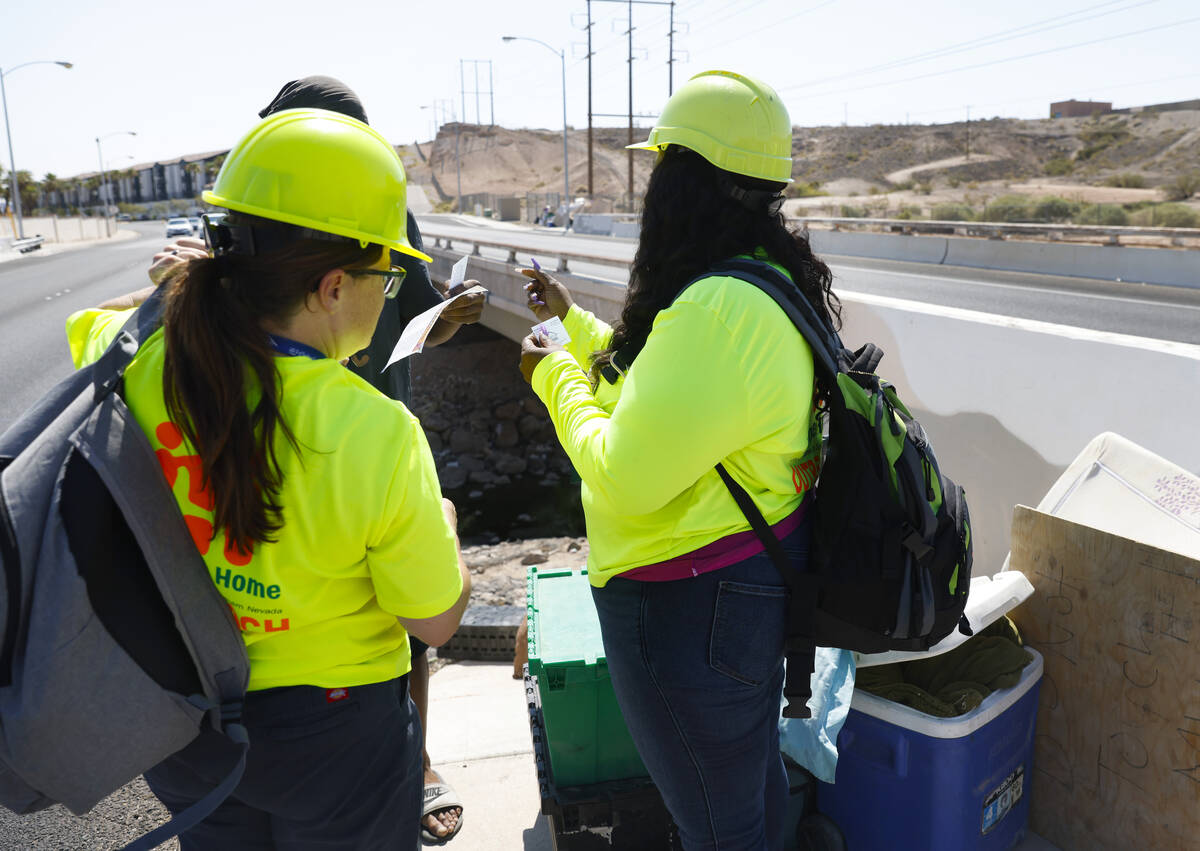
(799, 647)
(825, 343)
(828, 355)
(109, 369)
(197, 812)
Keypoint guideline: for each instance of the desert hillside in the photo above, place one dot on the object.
(1126, 160)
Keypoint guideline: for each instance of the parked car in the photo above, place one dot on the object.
(179, 227)
(124, 217)
(195, 222)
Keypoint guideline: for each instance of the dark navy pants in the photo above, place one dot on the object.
(697, 668)
(323, 772)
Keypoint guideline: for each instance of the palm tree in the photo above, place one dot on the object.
(28, 187)
(52, 188)
(191, 169)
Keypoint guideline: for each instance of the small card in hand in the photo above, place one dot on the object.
(553, 328)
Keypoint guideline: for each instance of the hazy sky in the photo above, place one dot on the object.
(191, 76)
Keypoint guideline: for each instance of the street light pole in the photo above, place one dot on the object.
(16, 194)
(562, 58)
(104, 190)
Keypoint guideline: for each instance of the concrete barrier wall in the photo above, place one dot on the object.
(59, 229)
(593, 223)
(1173, 267)
(887, 246)
(1176, 267)
(1007, 402)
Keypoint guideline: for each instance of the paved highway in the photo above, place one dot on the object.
(1142, 310)
(38, 292)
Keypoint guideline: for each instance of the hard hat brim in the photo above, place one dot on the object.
(275, 215)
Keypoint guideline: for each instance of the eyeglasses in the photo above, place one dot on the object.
(393, 277)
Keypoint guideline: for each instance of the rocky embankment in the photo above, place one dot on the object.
(499, 461)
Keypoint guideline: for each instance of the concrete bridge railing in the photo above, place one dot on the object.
(1007, 402)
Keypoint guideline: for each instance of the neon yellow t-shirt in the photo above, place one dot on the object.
(90, 331)
(724, 376)
(364, 538)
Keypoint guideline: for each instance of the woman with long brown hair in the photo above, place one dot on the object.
(311, 496)
(701, 368)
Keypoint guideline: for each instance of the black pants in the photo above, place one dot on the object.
(324, 771)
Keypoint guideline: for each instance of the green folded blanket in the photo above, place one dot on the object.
(953, 683)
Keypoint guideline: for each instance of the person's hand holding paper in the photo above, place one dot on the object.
(465, 305)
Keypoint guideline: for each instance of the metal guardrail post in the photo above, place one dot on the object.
(475, 250)
(562, 263)
(512, 256)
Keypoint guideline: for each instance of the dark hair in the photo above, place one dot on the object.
(219, 359)
(691, 220)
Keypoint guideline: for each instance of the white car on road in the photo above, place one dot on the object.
(179, 227)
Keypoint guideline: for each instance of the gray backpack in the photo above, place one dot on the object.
(117, 648)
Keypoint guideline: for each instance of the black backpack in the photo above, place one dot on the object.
(117, 647)
(890, 560)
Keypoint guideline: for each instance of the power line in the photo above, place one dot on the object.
(1040, 97)
(1001, 61)
(982, 41)
(775, 24)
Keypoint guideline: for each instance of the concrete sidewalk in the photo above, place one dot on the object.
(479, 742)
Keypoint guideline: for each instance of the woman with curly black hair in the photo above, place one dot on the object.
(692, 610)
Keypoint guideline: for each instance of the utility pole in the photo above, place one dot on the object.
(630, 114)
(630, 137)
(968, 131)
(591, 185)
(671, 51)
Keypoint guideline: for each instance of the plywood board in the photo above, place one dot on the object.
(1117, 747)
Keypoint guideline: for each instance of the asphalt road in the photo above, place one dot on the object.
(1141, 310)
(37, 293)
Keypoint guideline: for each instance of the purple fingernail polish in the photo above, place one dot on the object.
(537, 267)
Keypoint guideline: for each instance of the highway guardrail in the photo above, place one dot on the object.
(1003, 230)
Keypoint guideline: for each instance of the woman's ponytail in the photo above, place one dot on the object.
(220, 383)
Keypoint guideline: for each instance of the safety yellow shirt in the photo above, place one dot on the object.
(724, 376)
(364, 538)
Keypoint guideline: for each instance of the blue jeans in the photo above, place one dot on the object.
(697, 668)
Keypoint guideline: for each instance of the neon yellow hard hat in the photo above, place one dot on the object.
(320, 170)
(737, 123)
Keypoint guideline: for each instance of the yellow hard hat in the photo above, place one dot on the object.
(737, 123)
(321, 170)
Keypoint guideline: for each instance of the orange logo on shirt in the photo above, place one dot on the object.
(199, 494)
(804, 474)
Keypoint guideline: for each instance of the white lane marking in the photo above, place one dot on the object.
(1190, 350)
(1022, 287)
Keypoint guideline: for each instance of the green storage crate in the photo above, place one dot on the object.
(585, 734)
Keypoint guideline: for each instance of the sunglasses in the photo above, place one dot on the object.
(392, 278)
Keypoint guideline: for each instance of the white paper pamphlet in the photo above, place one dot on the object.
(553, 328)
(458, 272)
(412, 340)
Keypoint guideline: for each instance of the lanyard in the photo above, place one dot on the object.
(294, 348)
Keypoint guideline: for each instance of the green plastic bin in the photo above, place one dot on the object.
(586, 736)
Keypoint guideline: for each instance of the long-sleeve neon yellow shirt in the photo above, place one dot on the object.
(724, 377)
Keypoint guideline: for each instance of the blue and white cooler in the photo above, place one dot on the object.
(908, 780)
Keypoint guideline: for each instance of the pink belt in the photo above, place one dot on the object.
(720, 553)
